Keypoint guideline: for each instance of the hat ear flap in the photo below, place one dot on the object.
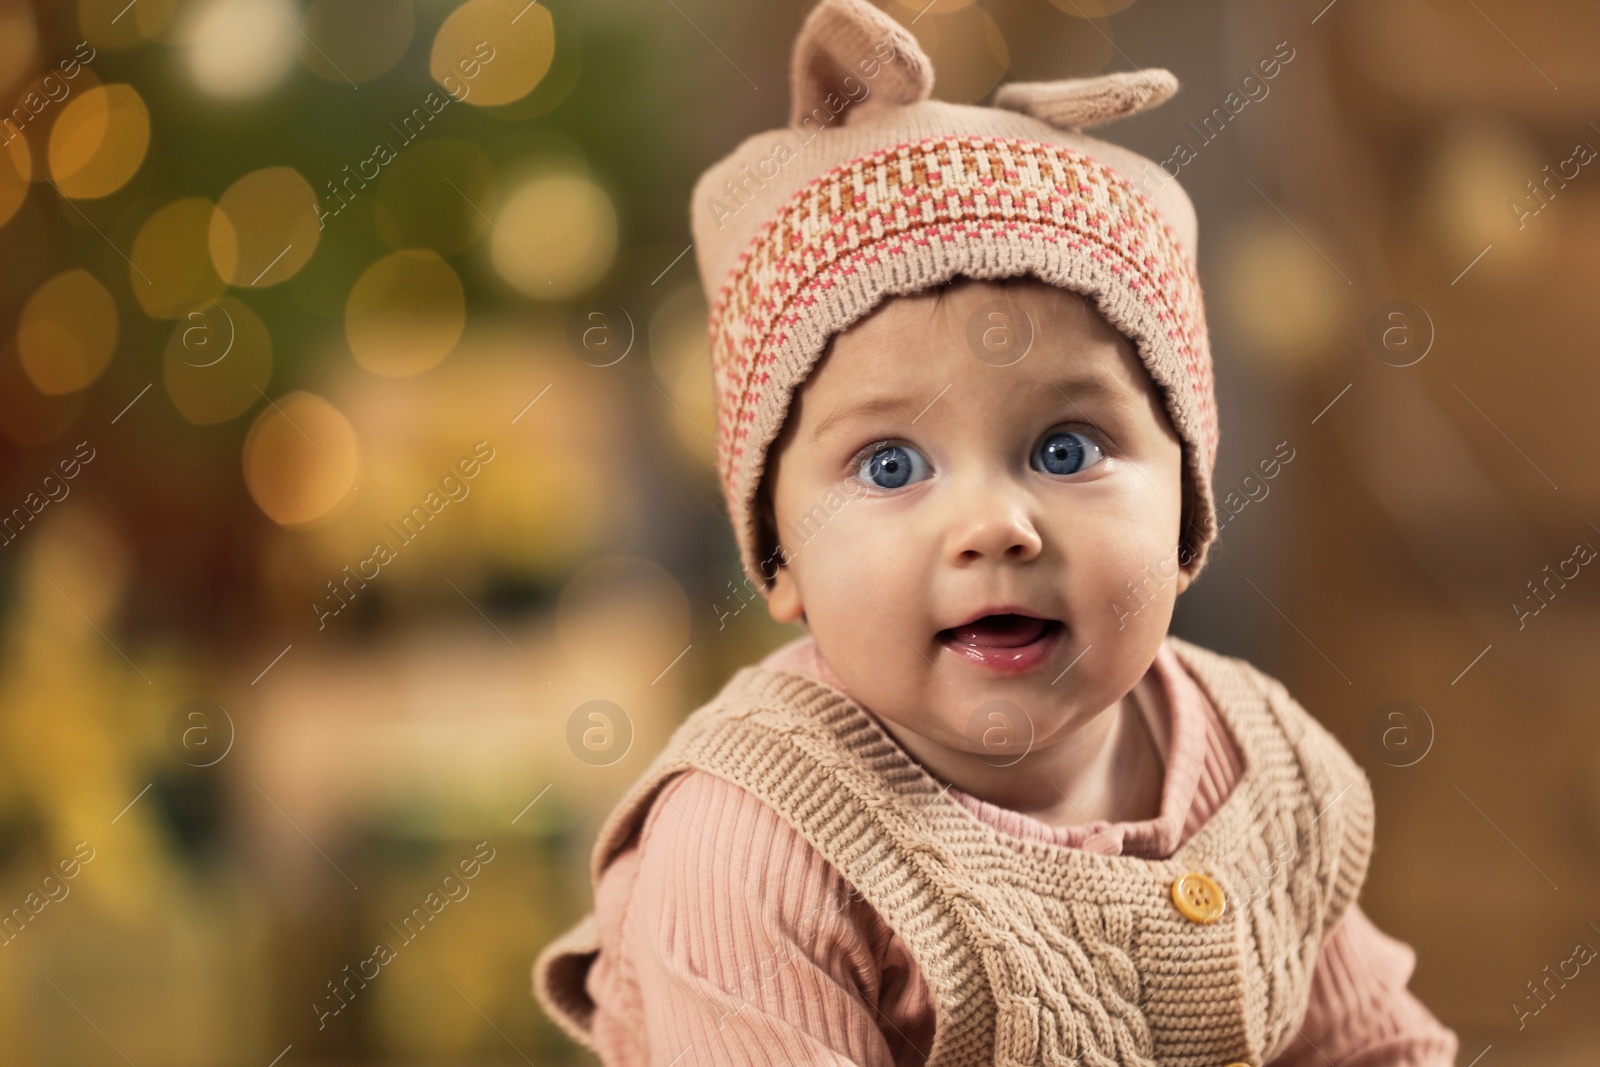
(843, 39)
(1076, 103)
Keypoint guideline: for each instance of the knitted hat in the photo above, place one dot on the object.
(874, 189)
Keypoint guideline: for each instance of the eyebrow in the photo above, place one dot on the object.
(1088, 388)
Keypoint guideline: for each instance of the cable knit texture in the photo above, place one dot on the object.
(1030, 952)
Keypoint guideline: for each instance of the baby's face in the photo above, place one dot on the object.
(921, 482)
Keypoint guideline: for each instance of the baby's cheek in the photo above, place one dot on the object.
(1133, 588)
(870, 574)
(866, 584)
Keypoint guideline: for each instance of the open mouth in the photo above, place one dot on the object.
(1004, 642)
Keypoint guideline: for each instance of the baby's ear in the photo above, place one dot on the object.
(852, 39)
(1183, 580)
(1077, 103)
(783, 601)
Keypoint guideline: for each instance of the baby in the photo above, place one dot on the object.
(987, 810)
(969, 592)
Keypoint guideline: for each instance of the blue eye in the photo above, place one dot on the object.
(888, 467)
(1067, 452)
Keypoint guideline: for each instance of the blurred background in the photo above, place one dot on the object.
(355, 423)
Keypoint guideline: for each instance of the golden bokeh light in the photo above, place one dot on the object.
(538, 509)
(355, 40)
(36, 105)
(681, 359)
(104, 25)
(1280, 292)
(622, 621)
(1092, 9)
(27, 416)
(165, 21)
(551, 506)
(438, 195)
(86, 561)
(218, 362)
(555, 236)
(67, 333)
(967, 50)
(116, 24)
(239, 49)
(264, 228)
(490, 52)
(1476, 172)
(170, 267)
(405, 313)
(301, 459)
(99, 141)
(566, 68)
(16, 175)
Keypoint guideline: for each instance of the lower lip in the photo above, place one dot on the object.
(1013, 660)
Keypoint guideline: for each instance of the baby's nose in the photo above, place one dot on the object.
(993, 523)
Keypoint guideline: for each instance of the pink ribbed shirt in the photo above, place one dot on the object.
(727, 939)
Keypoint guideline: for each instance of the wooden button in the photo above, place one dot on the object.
(1238, 1063)
(1199, 898)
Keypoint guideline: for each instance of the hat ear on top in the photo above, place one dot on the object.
(851, 39)
(853, 57)
(1077, 103)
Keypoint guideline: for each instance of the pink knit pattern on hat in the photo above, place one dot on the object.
(979, 206)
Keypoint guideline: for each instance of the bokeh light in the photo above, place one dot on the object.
(218, 362)
(1092, 9)
(566, 68)
(117, 24)
(555, 236)
(36, 105)
(968, 51)
(264, 228)
(355, 40)
(1475, 171)
(681, 358)
(537, 509)
(490, 52)
(104, 24)
(622, 621)
(87, 562)
(242, 48)
(68, 332)
(99, 141)
(300, 459)
(405, 313)
(1282, 295)
(29, 417)
(170, 268)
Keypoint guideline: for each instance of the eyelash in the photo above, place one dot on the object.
(1108, 448)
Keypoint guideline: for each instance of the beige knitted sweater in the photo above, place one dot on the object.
(1037, 954)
